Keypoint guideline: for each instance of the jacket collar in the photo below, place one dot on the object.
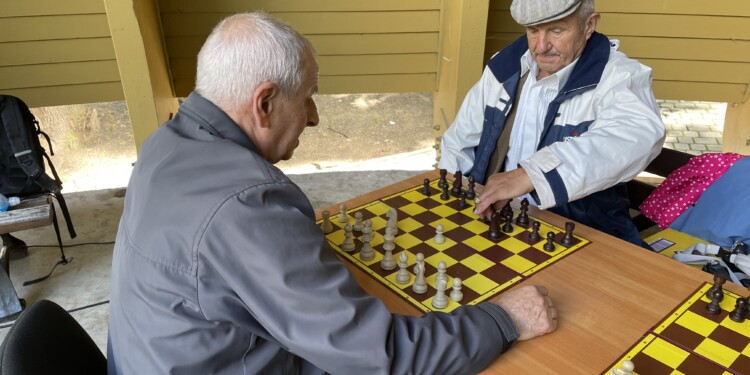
(215, 121)
(587, 71)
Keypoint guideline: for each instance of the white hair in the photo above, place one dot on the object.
(584, 11)
(245, 50)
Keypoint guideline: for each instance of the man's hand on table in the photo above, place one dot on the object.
(500, 188)
(530, 309)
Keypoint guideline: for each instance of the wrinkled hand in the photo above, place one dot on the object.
(530, 309)
(500, 188)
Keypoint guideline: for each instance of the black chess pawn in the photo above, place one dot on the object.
(470, 194)
(443, 180)
(523, 217)
(445, 196)
(458, 182)
(719, 280)
(508, 226)
(747, 308)
(738, 314)
(462, 201)
(550, 244)
(426, 187)
(534, 235)
(713, 307)
(494, 233)
(567, 239)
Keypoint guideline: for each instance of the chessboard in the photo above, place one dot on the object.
(691, 341)
(486, 266)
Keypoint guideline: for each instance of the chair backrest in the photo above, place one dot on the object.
(666, 162)
(45, 339)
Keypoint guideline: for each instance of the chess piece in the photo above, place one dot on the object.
(456, 293)
(470, 194)
(326, 225)
(440, 301)
(441, 268)
(508, 226)
(567, 239)
(507, 208)
(738, 314)
(550, 244)
(357, 227)
(523, 217)
(348, 244)
(713, 307)
(367, 231)
(462, 201)
(392, 223)
(342, 214)
(494, 233)
(419, 286)
(534, 235)
(626, 368)
(388, 262)
(366, 253)
(443, 180)
(402, 276)
(719, 280)
(444, 195)
(458, 181)
(439, 237)
(426, 187)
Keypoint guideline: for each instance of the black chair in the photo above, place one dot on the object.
(45, 339)
(666, 162)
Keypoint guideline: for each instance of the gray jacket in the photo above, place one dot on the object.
(219, 268)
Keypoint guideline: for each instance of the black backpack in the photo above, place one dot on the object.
(22, 157)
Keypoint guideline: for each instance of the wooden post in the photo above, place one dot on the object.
(736, 135)
(142, 61)
(463, 31)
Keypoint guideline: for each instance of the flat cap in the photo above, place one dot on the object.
(535, 12)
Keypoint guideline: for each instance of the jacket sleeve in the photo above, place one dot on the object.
(626, 134)
(275, 267)
(458, 142)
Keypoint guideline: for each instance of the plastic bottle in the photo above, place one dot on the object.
(5, 203)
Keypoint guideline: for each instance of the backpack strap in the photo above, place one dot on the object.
(51, 185)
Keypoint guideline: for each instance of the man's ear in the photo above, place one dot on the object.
(263, 101)
(591, 24)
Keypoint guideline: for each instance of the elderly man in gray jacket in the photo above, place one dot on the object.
(219, 267)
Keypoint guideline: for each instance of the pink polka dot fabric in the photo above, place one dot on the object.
(684, 186)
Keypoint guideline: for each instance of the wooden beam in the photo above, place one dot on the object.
(736, 135)
(142, 62)
(460, 60)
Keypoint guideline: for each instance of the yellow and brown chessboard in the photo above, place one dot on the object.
(691, 341)
(486, 267)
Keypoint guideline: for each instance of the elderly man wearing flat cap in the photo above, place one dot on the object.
(561, 117)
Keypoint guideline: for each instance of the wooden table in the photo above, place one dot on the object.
(608, 295)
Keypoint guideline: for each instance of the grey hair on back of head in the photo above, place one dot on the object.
(584, 11)
(245, 50)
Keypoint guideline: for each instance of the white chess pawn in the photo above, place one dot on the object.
(367, 231)
(440, 301)
(342, 214)
(441, 268)
(357, 227)
(439, 237)
(348, 244)
(626, 368)
(419, 286)
(326, 225)
(456, 293)
(402, 276)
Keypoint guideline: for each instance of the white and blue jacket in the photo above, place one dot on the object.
(602, 129)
